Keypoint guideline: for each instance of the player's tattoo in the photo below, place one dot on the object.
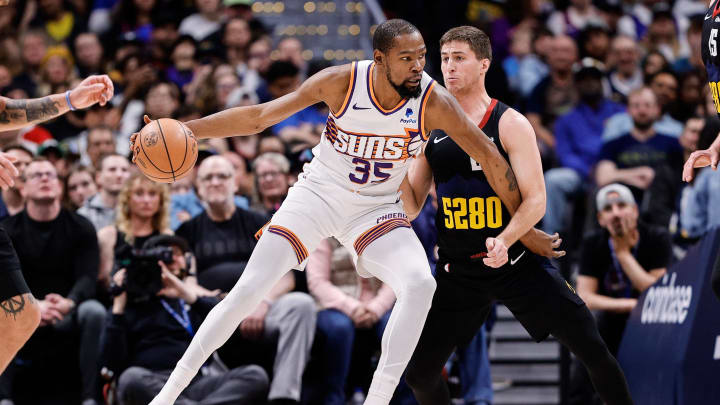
(35, 110)
(512, 182)
(14, 306)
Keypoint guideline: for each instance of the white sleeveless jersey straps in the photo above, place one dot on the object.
(366, 148)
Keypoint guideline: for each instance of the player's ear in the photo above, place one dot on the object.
(485, 65)
(378, 57)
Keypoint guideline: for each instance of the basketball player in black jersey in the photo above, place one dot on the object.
(710, 156)
(469, 213)
(20, 313)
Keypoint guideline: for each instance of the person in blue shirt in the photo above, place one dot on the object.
(578, 136)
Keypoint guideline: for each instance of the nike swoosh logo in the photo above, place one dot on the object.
(707, 17)
(355, 107)
(436, 140)
(512, 262)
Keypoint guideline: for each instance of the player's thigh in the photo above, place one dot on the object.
(303, 220)
(540, 298)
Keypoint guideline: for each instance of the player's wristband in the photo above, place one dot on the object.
(67, 98)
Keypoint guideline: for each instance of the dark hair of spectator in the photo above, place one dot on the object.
(280, 69)
(665, 71)
(386, 33)
(478, 40)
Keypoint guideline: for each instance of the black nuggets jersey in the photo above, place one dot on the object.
(469, 210)
(710, 45)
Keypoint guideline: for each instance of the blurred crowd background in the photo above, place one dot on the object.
(614, 89)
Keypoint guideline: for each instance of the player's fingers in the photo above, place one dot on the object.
(558, 253)
(489, 244)
(714, 160)
(6, 180)
(6, 162)
(146, 119)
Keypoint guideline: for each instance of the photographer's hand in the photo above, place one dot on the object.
(120, 300)
(173, 287)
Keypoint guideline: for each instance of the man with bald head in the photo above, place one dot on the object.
(627, 76)
(222, 239)
(555, 95)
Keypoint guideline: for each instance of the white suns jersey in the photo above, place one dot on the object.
(366, 148)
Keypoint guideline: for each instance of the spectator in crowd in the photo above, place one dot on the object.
(236, 40)
(13, 198)
(618, 263)
(205, 22)
(662, 201)
(222, 239)
(142, 212)
(571, 21)
(162, 99)
(60, 21)
(663, 35)
(690, 97)
(99, 142)
(627, 75)
(631, 159)
(664, 85)
(290, 49)
(579, 140)
(347, 303)
(111, 176)
(653, 63)
(134, 17)
(694, 40)
(58, 255)
(272, 181)
(243, 179)
(555, 95)
(301, 128)
(89, 54)
(79, 187)
(33, 45)
(183, 61)
(259, 55)
(145, 336)
(184, 206)
(595, 43)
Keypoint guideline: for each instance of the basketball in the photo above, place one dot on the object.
(166, 150)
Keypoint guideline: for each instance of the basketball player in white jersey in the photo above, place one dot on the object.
(381, 112)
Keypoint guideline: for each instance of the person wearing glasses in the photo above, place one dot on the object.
(19, 312)
(222, 239)
(271, 181)
(59, 256)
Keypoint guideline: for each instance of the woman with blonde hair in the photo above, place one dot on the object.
(143, 211)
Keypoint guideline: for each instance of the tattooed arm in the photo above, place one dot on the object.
(16, 114)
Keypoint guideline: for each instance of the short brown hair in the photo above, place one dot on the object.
(476, 38)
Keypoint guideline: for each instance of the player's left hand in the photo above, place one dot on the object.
(134, 136)
(94, 89)
(700, 158)
(497, 253)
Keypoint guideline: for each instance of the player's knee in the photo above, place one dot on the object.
(422, 285)
(91, 311)
(132, 382)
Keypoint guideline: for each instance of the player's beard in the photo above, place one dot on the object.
(403, 90)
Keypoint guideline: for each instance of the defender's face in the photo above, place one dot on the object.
(405, 62)
(460, 67)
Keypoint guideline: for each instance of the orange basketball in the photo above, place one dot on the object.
(165, 150)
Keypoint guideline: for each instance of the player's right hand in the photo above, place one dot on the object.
(8, 171)
(134, 136)
(497, 253)
(700, 158)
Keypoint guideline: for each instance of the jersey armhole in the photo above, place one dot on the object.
(350, 90)
(421, 121)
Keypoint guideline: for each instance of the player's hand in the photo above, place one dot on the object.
(134, 136)
(4, 2)
(253, 326)
(700, 158)
(8, 171)
(94, 89)
(543, 244)
(497, 253)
